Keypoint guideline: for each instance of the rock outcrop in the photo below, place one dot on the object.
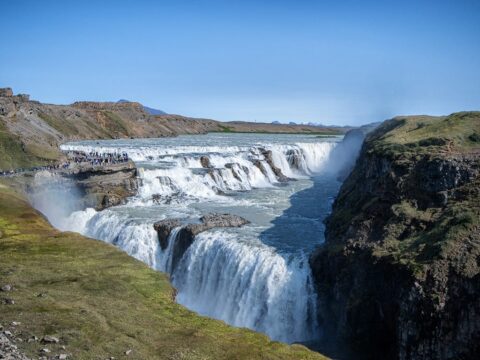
(6, 92)
(267, 154)
(187, 232)
(164, 228)
(105, 186)
(205, 162)
(399, 274)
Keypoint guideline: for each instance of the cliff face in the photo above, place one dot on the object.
(398, 276)
(106, 186)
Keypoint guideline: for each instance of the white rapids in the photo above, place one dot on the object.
(256, 276)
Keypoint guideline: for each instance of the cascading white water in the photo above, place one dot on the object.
(248, 286)
(233, 274)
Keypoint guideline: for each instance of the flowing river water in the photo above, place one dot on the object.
(256, 276)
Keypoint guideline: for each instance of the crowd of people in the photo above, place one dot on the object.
(95, 158)
(74, 158)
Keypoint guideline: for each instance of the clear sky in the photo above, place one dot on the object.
(334, 62)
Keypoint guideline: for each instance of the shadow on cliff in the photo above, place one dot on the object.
(301, 228)
(301, 225)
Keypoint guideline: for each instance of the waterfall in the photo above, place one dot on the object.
(248, 286)
(229, 274)
(243, 170)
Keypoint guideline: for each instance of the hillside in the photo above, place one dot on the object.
(399, 275)
(30, 132)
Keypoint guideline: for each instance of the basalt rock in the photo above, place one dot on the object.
(164, 228)
(294, 158)
(186, 235)
(205, 161)
(267, 154)
(106, 186)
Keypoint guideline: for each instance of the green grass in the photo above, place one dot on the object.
(14, 154)
(63, 126)
(115, 124)
(226, 129)
(101, 302)
(426, 135)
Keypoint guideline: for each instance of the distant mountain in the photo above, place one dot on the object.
(275, 122)
(150, 110)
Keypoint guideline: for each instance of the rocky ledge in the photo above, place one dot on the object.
(187, 231)
(105, 186)
(399, 274)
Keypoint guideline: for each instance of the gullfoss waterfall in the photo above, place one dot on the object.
(256, 276)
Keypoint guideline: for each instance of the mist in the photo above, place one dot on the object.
(344, 155)
(55, 197)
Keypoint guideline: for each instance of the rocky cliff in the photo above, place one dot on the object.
(398, 276)
(102, 187)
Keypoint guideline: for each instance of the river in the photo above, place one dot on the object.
(256, 276)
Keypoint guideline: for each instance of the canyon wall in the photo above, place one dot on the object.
(398, 276)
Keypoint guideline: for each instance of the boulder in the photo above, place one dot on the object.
(267, 154)
(163, 229)
(50, 339)
(205, 161)
(186, 235)
(222, 220)
(6, 288)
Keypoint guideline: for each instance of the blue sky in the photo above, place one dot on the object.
(334, 62)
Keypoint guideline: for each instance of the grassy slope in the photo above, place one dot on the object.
(433, 233)
(14, 154)
(428, 135)
(101, 302)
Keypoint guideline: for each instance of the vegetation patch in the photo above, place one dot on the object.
(115, 124)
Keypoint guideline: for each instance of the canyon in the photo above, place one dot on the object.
(358, 247)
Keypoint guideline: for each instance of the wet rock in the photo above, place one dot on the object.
(261, 167)
(235, 174)
(222, 220)
(164, 228)
(294, 158)
(186, 234)
(106, 186)
(267, 154)
(205, 161)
